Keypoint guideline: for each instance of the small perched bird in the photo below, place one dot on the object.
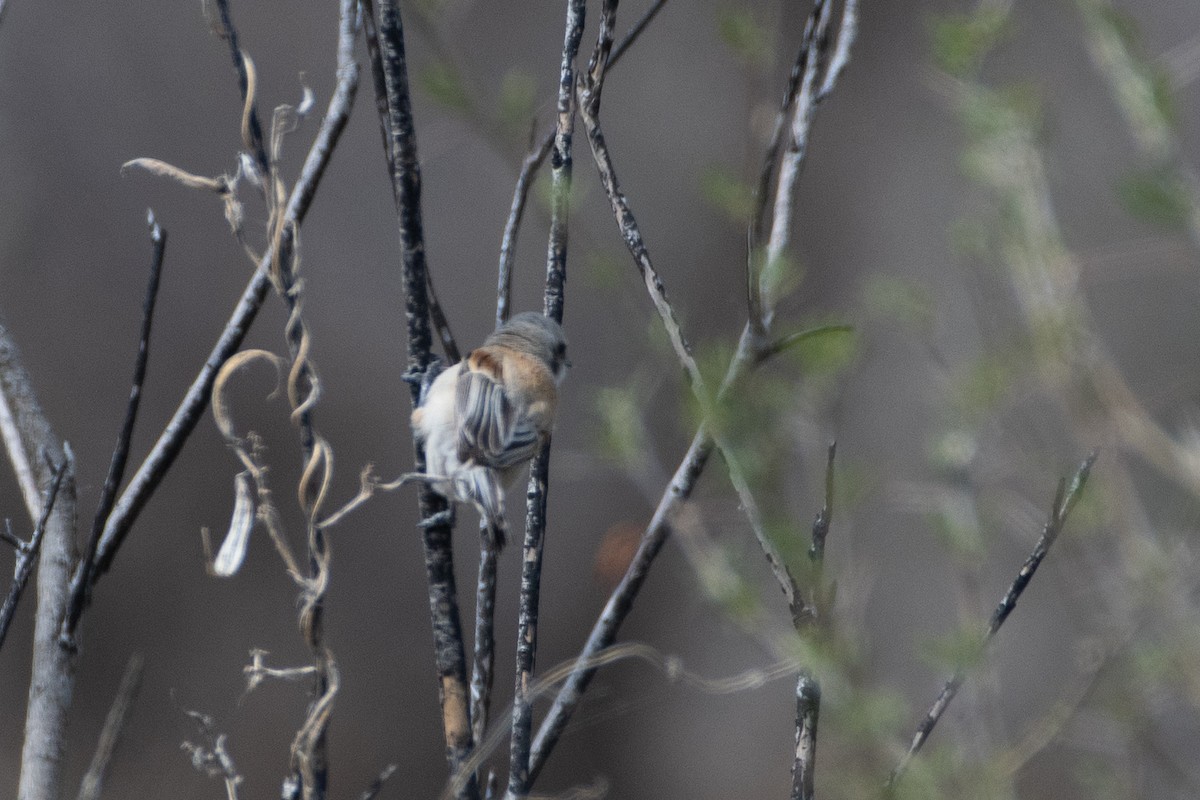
(484, 417)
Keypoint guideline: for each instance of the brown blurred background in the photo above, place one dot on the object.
(87, 87)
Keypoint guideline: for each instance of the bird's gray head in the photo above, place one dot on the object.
(538, 335)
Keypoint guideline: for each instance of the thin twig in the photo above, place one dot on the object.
(808, 707)
(195, 401)
(637, 248)
(377, 785)
(449, 653)
(485, 644)
(632, 35)
(1064, 501)
(532, 163)
(82, 579)
(252, 129)
(436, 315)
(620, 602)
(820, 527)
(508, 242)
(92, 785)
(519, 777)
(30, 440)
(28, 553)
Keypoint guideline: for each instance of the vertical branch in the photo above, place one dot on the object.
(519, 779)
(27, 554)
(808, 706)
(30, 441)
(449, 653)
(485, 639)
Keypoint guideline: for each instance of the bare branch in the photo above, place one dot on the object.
(533, 162)
(485, 641)
(508, 242)
(808, 707)
(82, 579)
(195, 401)
(449, 653)
(1064, 500)
(519, 777)
(377, 785)
(658, 294)
(27, 554)
(252, 135)
(32, 444)
(620, 602)
(92, 785)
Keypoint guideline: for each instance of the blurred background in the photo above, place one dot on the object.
(1000, 198)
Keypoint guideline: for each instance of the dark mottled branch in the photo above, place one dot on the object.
(449, 654)
(519, 776)
(749, 354)
(81, 581)
(485, 641)
(533, 162)
(808, 706)
(1064, 500)
(820, 528)
(252, 130)
(437, 316)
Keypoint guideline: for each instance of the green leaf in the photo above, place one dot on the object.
(445, 86)
(749, 39)
(518, 93)
(729, 194)
(960, 41)
(1157, 196)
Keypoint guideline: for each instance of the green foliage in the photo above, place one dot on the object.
(1158, 195)
(623, 435)
(971, 238)
(826, 354)
(957, 649)
(961, 40)
(988, 381)
(778, 277)
(518, 93)
(443, 83)
(607, 270)
(901, 300)
(750, 40)
(728, 193)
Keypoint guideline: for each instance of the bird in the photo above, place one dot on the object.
(487, 415)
